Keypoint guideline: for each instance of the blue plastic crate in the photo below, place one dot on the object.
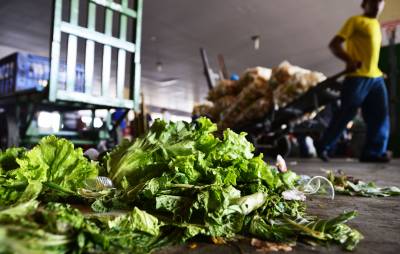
(22, 72)
(6, 77)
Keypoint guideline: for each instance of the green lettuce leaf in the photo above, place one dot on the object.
(8, 158)
(53, 163)
(348, 185)
(55, 160)
(137, 220)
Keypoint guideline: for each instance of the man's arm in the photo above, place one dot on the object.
(336, 46)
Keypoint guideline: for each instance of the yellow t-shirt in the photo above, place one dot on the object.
(363, 43)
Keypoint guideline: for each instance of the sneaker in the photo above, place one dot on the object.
(323, 155)
(385, 158)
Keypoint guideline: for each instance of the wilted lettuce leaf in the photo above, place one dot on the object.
(8, 158)
(53, 228)
(186, 166)
(206, 141)
(332, 229)
(257, 169)
(289, 178)
(234, 146)
(316, 229)
(137, 220)
(178, 206)
(31, 192)
(138, 160)
(14, 213)
(53, 162)
(348, 185)
(58, 228)
(273, 230)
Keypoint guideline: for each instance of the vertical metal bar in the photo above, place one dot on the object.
(108, 120)
(89, 55)
(207, 69)
(222, 67)
(136, 82)
(93, 115)
(72, 47)
(393, 78)
(55, 50)
(122, 54)
(121, 73)
(107, 55)
(138, 74)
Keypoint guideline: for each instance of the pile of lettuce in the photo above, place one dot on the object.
(177, 183)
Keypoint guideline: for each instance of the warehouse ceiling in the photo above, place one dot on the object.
(174, 30)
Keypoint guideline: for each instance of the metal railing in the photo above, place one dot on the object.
(74, 31)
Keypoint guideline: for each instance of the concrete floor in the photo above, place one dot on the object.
(378, 219)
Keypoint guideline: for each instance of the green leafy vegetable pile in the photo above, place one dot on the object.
(176, 183)
(345, 184)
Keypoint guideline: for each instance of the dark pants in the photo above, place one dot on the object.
(370, 94)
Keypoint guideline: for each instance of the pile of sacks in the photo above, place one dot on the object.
(292, 81)
(256, 93)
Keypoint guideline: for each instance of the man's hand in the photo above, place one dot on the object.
(352, 66)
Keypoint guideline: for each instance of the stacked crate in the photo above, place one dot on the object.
(22, 72)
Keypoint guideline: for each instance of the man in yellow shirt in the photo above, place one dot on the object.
(364, 85)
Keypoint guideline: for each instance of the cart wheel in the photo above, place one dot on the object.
(9, 131)
(282, 146)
